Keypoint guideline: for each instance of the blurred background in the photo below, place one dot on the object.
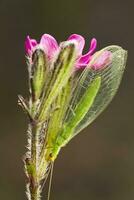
(99, 163)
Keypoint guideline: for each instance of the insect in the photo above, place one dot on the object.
(93, 91)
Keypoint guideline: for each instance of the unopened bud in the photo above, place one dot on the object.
(38, 76)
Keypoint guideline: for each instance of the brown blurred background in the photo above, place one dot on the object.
(99, 163)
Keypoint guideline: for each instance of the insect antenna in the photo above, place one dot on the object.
(50, 181)
(45, 180)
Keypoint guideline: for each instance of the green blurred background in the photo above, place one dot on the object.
(99, 163)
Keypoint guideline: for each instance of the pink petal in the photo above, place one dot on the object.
(103, 60)
(85, 59)
(80, 41)
(49, 44)
(29, 45)
(93, 46)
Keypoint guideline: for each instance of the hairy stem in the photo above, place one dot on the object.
(35, 184)
(32, 163)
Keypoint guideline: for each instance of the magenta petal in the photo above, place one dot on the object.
(29, 45)
(49, 44)
(103, 60)
(80, 41)
(85, 59)
(93, 46)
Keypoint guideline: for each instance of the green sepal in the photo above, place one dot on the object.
(24, 104)
(38, 73)
(57, 119)
(63, 67)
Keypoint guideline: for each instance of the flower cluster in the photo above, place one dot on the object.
(50, 47)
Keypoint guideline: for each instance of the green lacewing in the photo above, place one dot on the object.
(110, 77)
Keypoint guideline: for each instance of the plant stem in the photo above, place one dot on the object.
(32, 167)
(35, 184)
(36, 167)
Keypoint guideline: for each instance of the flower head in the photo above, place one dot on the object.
(50, 47)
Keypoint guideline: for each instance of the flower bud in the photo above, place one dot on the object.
(38, 74)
